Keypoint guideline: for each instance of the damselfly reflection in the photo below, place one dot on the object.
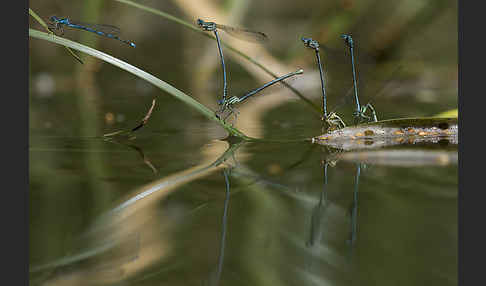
(319, 210)
(354, 207)
(215, 276)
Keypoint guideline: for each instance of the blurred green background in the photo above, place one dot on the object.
(407, 216)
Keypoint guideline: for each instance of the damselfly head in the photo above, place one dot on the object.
(59, 21)
(348, 39)
(310, 43)
(206, 26)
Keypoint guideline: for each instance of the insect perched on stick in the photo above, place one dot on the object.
(360, 112)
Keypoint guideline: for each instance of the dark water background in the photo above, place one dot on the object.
(283, 224)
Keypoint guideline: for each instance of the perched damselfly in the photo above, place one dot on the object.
(240, 33)
(335, 122)
(359, 113)
(229, 104)
(313, 44)
(57, 24)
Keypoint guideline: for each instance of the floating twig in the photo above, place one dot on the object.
(140, 125)
(146, 118)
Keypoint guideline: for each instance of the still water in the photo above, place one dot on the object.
(170, 207)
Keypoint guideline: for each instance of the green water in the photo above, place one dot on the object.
(283, 226)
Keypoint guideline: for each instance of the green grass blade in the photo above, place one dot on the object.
(449, 113)
(140, 73)
(38, 19)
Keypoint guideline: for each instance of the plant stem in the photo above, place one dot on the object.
(142, 74)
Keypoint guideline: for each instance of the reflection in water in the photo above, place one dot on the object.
(104, 261)
(410, 156)
(215, 278)
(145, 159)
(271, 239)
(318, 212)
(110, 235)
(354, 209)
(304, 158)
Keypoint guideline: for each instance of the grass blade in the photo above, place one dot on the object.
(140, 73)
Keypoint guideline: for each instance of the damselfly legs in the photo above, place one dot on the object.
(229, 104)
(241, 33)
(360, 112)
(349, 97)
(332, 120)
(57, 24)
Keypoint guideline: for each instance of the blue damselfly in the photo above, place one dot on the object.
(359, 113)
(313, 44)
(335, 122)
(57, 24)
(240, 33)
(229, 104)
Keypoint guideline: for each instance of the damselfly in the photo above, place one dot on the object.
(335, 122)
(229, 104)
(359, 113)
(332, 120)
(241, 33)
(57, 24)
(313, 44)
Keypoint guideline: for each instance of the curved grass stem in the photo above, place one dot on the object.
(142, 74)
